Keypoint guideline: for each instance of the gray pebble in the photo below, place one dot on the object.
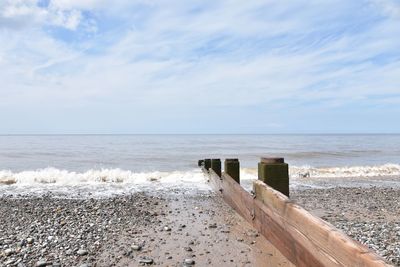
(136, 247)
(8, 252)
(82, 252)
(41, 263)
(189, 262)
(146, 260)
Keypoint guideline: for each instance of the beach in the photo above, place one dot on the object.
(180, 227)
(163, 229)
(137, 200)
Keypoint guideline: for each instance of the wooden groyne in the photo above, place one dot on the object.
(304, 239)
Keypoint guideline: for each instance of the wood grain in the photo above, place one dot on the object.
(305, 240)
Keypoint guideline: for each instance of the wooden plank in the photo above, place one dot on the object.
(321, 236)
(302, 238)
(250, 208)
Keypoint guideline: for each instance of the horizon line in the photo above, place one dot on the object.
(132, 134)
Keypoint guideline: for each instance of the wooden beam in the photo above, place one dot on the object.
(302, 238)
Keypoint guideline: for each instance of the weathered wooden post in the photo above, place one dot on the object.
(207, 164)
(275, 173)
(232, 168)
(200, 162)
(216, 166)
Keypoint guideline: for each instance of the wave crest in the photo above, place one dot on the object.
(337, 172)
(119, 176)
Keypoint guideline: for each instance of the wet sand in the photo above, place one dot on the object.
(368, 214)
(164, 228)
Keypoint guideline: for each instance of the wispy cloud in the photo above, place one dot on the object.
(179, 56)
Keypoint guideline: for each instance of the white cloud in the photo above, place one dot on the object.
(28, 13)
(178, 54)
(78, 4)
(67, 19)
(389, 7)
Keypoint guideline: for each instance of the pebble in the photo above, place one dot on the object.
(212, 225)
(189, 262)
(8, 252)
(82, 252)
(9, 262)
(41, 263)
(29, 240)
(136, 247)
(146, 260)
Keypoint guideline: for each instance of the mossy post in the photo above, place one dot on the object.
(200, 162)
(232, 168)
(216, 166)
(207, 164)
(275, 173)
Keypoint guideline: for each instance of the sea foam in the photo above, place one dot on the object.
(335, 172)
(119, 176)
(103, 176)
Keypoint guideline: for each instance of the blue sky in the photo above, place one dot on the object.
(127, 66)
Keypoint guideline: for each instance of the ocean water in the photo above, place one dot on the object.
(100, 164)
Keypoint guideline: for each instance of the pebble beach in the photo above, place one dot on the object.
(162, 229)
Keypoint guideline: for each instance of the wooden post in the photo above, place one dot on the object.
(232, 168)
(216, 166)
(200, 162)
(275, 173)
(207, 164)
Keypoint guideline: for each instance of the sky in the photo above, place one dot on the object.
(210, 66)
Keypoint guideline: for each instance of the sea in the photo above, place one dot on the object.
(104, 165)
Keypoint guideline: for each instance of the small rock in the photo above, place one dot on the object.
(8, 252)
(166, 228)
(41, 263)
(146, 260)
(136, 247)
(213, 225)
(188, 249)
(9, 262)
(82, 252)
(189, 262)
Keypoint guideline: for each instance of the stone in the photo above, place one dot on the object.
(41, 263)
(8, 252)
(189, 262)
(146, 260)
(82, 252)
(136, 247)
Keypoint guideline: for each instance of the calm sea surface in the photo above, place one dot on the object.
(180, 152)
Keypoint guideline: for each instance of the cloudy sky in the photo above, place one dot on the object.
(167, 66)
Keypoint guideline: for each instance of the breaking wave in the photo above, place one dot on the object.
(337, 172)
(102, 176)
(350, 171)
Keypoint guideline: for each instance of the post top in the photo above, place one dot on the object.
(215, 160)
(231, 159)
(272, 160)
